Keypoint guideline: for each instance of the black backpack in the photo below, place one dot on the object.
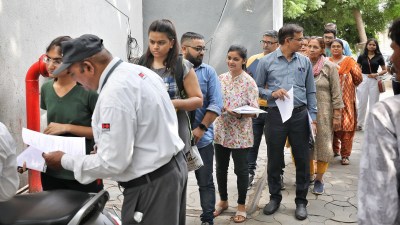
(179, 82)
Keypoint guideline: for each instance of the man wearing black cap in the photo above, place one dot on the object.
(136, 133)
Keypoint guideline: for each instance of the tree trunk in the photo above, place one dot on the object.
(360, 26)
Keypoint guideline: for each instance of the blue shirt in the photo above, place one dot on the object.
(212, 100)
(276, 72)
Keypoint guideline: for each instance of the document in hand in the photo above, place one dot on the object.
(39, 143)
(286, 106)
(313, 134)
(246, 109)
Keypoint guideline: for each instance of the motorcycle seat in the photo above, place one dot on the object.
(56, 207)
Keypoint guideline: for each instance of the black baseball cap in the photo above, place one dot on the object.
(78, 49)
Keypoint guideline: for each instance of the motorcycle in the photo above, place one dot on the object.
(58, 207)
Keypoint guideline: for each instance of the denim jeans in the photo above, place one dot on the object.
(204, 177)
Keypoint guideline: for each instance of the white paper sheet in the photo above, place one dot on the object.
(48, 143)
(33, 158)
(248, 110)
(286, 106)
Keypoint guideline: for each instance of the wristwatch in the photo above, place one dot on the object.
(203, 127)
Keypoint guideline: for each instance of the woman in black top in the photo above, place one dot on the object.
(369, 62)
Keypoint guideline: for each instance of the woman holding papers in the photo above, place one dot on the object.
(329, 104)
(233, 131)
(69, 111)
(350, 77)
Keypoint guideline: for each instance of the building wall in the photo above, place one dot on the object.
(27, 27)
(222, 22)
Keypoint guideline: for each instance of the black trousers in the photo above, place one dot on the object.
(298, 131)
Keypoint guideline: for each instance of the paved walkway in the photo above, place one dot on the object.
(338, 205)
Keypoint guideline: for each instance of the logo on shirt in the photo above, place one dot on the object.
(302, 69)
(141, 75)
(105, 127)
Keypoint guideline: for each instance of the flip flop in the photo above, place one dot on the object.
(219, 210)
(240, 217)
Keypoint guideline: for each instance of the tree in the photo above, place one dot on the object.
(356, 19)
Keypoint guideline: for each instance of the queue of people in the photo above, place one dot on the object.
(154, 173)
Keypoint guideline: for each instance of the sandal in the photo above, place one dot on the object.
(359, 128)
(219, 210)
(345, 161)
(240, 217)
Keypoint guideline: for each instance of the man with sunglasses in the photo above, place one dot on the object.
(276, 74)
(193, 49)
(269, 43)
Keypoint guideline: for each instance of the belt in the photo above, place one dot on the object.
(147, 178)
(296, 109)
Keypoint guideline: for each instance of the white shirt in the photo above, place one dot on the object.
(9, 180)
(134, 126)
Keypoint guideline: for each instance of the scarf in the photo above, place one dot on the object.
(318, 66)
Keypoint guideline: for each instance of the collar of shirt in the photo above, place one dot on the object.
(103, 75)
(280, 54)
(199, 67)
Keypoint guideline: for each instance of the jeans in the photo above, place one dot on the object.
(204, 177)
(298, 131)
(222, 157)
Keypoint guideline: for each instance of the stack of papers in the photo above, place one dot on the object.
(248, 110)
(42, 143)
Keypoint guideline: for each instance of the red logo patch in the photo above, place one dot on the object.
(105, 127)
(141, 75)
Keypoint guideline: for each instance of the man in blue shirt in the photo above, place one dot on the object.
(193, 48)
(277, 73)
(330, 35)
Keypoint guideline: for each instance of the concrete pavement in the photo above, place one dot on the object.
(338, 205)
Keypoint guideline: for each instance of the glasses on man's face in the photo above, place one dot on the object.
(262, 42)
(328, 37)
(56, 61)
(198, 48)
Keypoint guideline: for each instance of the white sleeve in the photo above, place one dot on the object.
(114, 147)
(9, 180)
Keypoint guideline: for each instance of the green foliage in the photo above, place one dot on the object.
(313, 14)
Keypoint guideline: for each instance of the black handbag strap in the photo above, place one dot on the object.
(109, 73)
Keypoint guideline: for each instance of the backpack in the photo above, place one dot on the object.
(179, 82)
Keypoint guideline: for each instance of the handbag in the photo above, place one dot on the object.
(193, 157)
(381, 85)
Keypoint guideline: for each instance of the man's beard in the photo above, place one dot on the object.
(195, 61)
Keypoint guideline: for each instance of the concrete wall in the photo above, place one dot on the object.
(222, 22)
(27, 27)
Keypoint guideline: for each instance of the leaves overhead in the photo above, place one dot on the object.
(313, 14)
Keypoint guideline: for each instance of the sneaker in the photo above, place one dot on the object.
(282, 184)
(318, 188)
(251, 181)
(345, 161)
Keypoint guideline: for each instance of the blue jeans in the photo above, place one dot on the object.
(204, 177)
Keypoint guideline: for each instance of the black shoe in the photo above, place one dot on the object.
(251, 181)
(301, 212)
(271, 207)
(282, 184)
(205, 223)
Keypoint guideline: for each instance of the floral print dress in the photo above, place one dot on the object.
(230, 131)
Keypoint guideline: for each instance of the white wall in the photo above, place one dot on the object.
(27, 27)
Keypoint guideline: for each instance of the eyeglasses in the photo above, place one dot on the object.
(198, 48)
(56, 61)
(267, 42)
(328, 37)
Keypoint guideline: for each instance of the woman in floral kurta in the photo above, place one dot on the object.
(329, 103)
(233, 132)
(350, 77)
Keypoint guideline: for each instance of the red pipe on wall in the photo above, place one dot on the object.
(33, 111)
